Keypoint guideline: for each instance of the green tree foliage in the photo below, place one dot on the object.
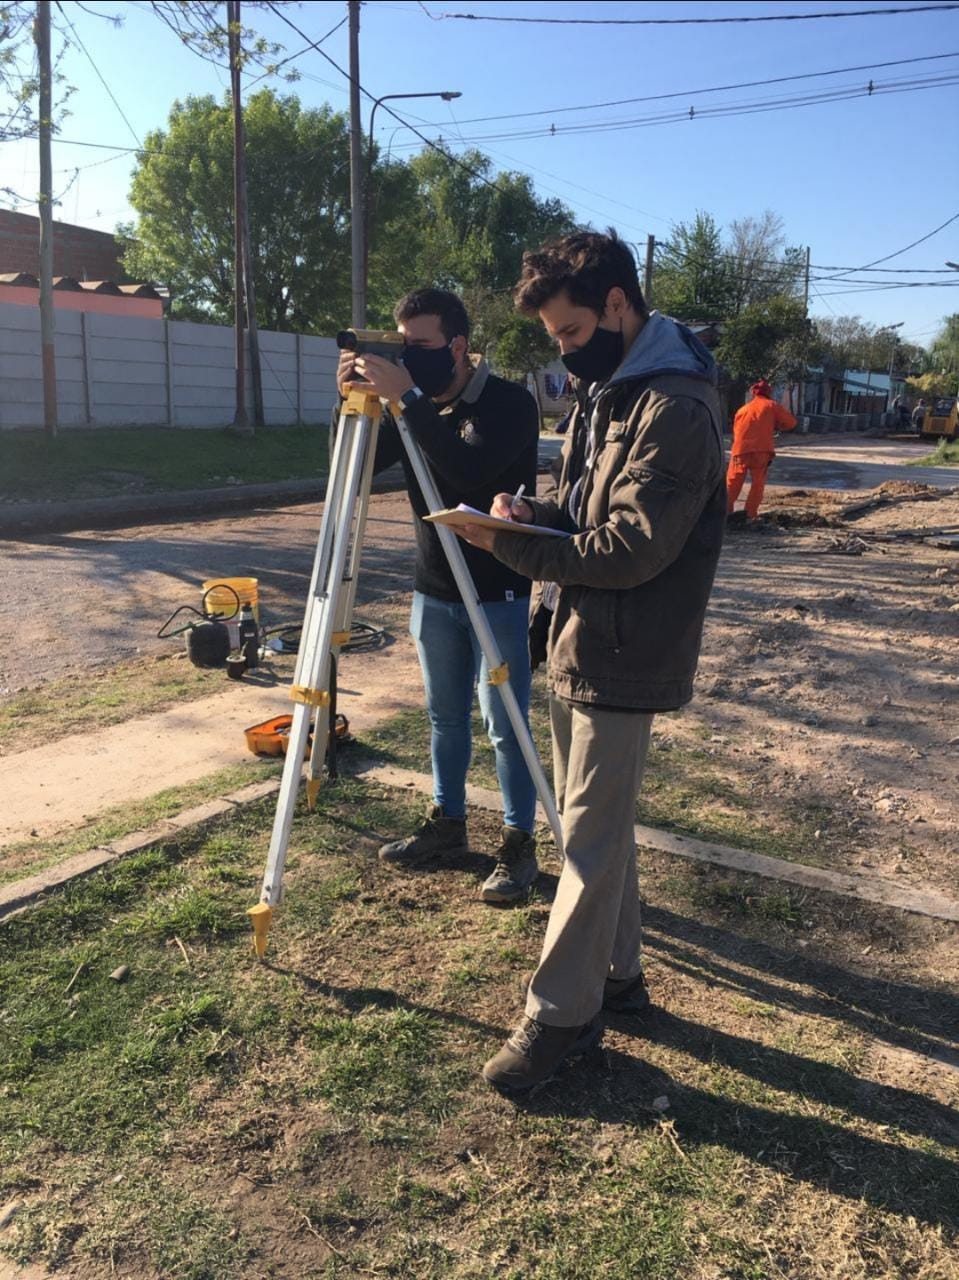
(702, 274)
(522, 348)
(692, 279)
(298, 192)
(944, 352)
(430, 221)
(932, 384)
(769, 339)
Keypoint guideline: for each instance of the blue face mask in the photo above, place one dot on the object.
(431, 368)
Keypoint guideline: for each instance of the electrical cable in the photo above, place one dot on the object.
(389, 110)
(692, 22)
(99, 74)
(719, 88)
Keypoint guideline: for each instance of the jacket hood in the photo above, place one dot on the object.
(663, 346)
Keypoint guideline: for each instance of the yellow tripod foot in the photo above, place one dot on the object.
(261, 915)
(313, 788)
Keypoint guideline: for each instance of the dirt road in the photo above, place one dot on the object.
(71, 601)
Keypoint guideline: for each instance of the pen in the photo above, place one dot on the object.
(515, 498)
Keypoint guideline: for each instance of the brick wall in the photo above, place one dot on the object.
(77, 251)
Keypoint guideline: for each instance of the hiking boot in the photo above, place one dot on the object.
(438, 834)
(515, 871)
(622, 996)
(534, 1052)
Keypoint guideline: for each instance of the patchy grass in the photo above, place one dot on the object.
(945, 454)
(106, 462)
(687, 789)
(101, 697)
(321, 1115)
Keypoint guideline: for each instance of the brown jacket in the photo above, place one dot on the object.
(635, 577)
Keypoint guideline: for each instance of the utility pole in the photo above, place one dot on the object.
(648, 273)
(241, 421)
(244, 219)
(357, 216)
(801, 407)
(41, 33)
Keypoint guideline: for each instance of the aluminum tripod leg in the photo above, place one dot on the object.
(499, 671)
(343, 618)
(310, 689)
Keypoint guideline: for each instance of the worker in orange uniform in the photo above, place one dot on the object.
(753, 451)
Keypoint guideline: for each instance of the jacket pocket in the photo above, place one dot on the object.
(596, 610)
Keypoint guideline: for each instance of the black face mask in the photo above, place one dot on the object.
(599, 358)
(431, 368)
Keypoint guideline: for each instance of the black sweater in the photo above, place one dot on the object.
(480, 446)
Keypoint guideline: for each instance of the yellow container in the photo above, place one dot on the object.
(222, 600)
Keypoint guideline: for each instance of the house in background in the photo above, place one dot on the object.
(100, 296)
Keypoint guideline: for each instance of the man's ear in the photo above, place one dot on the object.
(615, 301)
(460, 347)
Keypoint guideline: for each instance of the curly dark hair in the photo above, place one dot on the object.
(435, 302)
(587, 265)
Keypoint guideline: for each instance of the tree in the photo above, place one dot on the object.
(944, 351)
(471, 227)
(761, 264)
(932, 384)
(692, 279)
(299, 210)
(522, 348)
(769, 339)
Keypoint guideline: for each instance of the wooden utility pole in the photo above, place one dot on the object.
(41, 32)
(648, 273)
(357, 216)
(801, 407)
(241, 421)
(256, 368)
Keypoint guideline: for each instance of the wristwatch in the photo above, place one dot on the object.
(410, 397)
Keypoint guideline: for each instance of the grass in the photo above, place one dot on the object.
(106, 462)
(102, 696)
(946, 454)
(321, 1115)
(685, 790)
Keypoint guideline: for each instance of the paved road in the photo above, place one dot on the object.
(841, 462)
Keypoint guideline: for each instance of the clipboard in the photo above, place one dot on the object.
(464, 514)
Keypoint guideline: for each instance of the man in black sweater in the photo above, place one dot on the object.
(479, 435)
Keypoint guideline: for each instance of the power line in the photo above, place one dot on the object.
(692, 22)
(293, 56)
(99, 74)
(790, 102)
(900, 252)
(389, 110)
(719, 88)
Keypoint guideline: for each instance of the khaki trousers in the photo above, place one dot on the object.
(594, 925)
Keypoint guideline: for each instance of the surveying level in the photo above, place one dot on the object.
(329, 615)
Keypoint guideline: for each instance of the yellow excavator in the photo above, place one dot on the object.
(942, 419)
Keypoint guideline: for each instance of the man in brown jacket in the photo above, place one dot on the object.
(621, 608)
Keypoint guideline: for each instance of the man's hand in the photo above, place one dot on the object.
(389, 381)
(344, 372)
(478, 535)
(504, 507)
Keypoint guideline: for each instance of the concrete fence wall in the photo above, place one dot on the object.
(116, 371)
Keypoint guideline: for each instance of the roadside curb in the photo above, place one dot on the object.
(155, 508)
(19, 896)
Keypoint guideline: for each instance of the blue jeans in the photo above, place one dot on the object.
(450, 657)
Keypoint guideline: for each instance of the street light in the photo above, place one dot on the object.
(891, 328)
(447, 95)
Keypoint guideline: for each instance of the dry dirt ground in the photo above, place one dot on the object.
(831, 670)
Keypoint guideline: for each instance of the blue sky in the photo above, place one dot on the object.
(855, 180)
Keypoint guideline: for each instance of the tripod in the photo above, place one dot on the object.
(328, 619)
